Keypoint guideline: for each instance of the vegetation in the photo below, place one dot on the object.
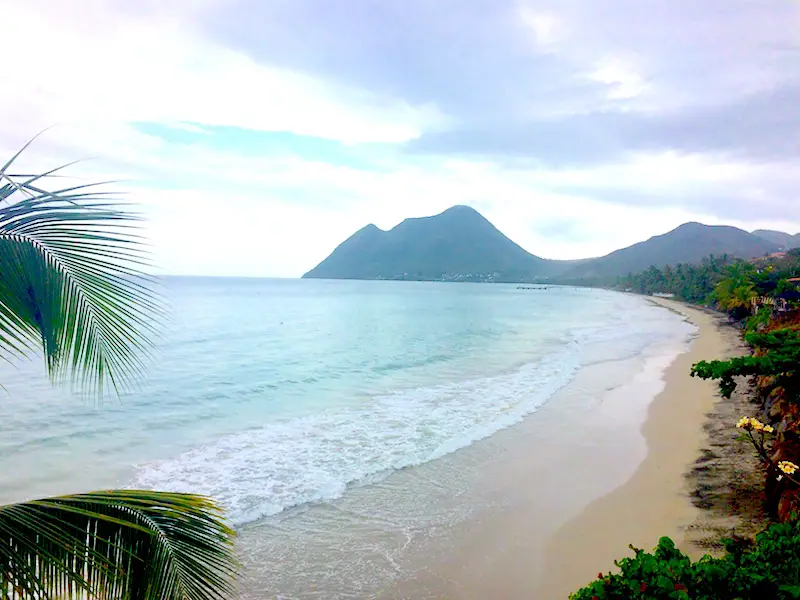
(763, 296)
(768, 568)
(692, 283)
(727, 283)
(72, 288)
(773, 365)
(776, 359)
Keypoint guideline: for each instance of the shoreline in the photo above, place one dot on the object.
(662, 498)
(532, 511)
(474, 523)
(547, 471)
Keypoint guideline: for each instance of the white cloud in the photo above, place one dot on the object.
(122, 68)
(222, 213)
(623, 81)
(544, 26)
(259, 231)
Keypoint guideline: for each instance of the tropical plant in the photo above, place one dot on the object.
(691, 283)
(72, 287)
(773, 368)
(767, 568)
(777, 360)
(736, 291)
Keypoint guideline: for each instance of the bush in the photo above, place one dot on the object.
(758, 321)
(769, 568)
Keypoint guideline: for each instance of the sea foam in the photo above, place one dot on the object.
(263, 471)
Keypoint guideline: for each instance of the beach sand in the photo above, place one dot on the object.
(629, 451)
(628, 472)
(696, 484)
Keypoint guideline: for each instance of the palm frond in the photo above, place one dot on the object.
(119, 544)
(73, 281)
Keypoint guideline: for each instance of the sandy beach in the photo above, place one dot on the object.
(629, 451)
(625, 474)
(660, 499)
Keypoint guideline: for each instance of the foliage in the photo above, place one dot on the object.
(692, 283)
(115, 544)
(779, 355)
(735, 292)
(758, 321)
(72, 286)
(729, 284)
(72, 282)
(769, 568)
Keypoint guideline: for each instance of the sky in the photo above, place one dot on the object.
(256, 135)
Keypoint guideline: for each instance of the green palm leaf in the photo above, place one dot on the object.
(122, 544)
(72, 285)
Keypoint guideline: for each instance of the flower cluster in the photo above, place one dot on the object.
(753, 424)
(787, 467)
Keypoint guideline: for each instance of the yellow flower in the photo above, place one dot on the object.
(751, 423)
(787, 467)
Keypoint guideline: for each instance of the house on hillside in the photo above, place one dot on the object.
(778, 306)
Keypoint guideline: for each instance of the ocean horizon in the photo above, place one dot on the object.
(279, 396)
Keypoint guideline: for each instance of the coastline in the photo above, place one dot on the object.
(665, 496)
(532, 511)
(547, 472)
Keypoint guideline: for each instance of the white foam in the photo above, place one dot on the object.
(261, 472)
(293, 461)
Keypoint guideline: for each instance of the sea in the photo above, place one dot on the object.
(297, 404)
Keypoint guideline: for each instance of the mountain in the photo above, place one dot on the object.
(458, 244)
(689, 243)
(782, 239)
(794, 242)
(461, 245)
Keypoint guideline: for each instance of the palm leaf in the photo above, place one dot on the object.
(72, 281)
(72, 284)
(121, 544)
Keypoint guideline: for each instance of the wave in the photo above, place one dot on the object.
(261, 472)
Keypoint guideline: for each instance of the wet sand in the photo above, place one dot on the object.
(696, 484)
(616, 476)
(536, 510)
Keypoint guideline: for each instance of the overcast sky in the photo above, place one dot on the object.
(258, 134)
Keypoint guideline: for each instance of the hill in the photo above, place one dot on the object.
(689, 243)
(461, 245)
(781, 238)
(458, 245)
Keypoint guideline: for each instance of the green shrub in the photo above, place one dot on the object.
(758, 321)
(768, 569)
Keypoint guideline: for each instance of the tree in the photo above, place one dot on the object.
(737, 290)
(72, 287)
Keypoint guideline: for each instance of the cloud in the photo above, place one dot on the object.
(125, 68)
(258, 135)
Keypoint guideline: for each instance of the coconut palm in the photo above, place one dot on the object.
(72, 288)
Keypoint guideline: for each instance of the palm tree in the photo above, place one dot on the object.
(72, 287)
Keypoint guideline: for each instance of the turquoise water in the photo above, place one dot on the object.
(270, 394)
